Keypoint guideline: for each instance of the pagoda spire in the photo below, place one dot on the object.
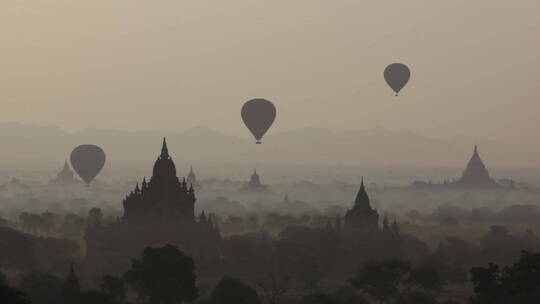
(164, 150)
(144, 184)
(476, 155)
(362, 199)
(475, 168)
(71, 290)
(184, 183)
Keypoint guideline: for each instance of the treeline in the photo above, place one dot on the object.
(166, 275)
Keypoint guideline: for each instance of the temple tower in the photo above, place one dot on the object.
(475, 174)
(71, 291)
(362, 216)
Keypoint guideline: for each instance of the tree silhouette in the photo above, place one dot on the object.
(42, 288)
(487, 284)
(309, 273)
(518, 283)
(231, 290)
(12, 296)
(95, 217)
(95, 297)
(163, 276)
(274, 287)
(114, 287)
(395, 281)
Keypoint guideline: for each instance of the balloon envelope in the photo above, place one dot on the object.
(258, 115)
(87, 161)
(397, 75)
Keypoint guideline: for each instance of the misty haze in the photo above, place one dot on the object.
(263, 152)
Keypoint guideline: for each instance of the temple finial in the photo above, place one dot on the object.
(164, 150)
(362, 198)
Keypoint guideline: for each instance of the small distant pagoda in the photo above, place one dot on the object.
(192, 179)
(254, 184)
(475, 174)
(65, 177)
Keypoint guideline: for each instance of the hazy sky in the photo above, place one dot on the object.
(173, 64)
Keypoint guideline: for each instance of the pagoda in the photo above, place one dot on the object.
(475, 174)
(65, 177)
(254, 184)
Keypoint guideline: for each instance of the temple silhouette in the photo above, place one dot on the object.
(192, 179)
(160, 211)
(475, 176)
(254, 184)
(71, 291)
(65, 176)
(362, 216)
(164, 199)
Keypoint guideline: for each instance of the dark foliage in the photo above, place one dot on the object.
(42, 288)
(164, 275)
(12, 296)
(96, 297)
(114, 287)
(395, 281)
(233, 291)
(518, 283)
(309, 273)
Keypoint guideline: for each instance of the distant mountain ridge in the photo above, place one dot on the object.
(24, 144)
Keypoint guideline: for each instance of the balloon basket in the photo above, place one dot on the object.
(258, 142)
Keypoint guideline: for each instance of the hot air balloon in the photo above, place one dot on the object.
(397, 75)
(258, 115)
(87, 161)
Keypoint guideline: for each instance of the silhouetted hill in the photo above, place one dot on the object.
(27, 145)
